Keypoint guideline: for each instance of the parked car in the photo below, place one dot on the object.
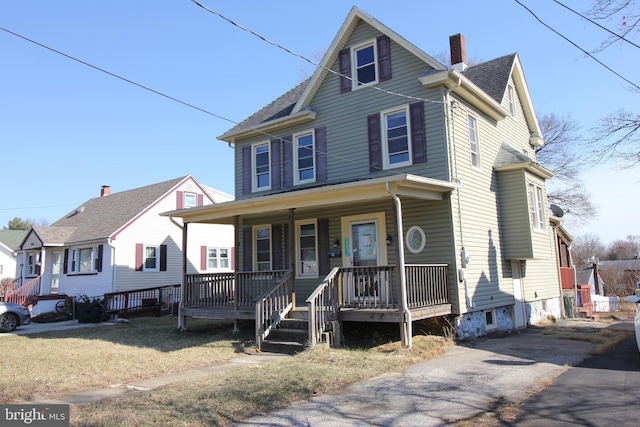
(12, 316)
(636, 299)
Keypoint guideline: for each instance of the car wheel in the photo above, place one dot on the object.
(8, 322)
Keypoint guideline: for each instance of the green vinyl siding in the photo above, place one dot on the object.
(514, 215)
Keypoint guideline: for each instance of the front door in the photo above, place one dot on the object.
(56, 258)
(519, 311)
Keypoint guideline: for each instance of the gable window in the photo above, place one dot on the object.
(364, 61)
(536, 211)
(304, 157)
(512, 101)
(397, 142)
(307, 248)
(261, 160)
(83, 260)
(262, 247)
(190, 200)
(474, 144)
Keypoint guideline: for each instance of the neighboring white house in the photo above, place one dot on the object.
(9, 242)
(119, 242)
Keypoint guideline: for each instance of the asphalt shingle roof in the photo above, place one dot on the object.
(492, 76)
(12, 238)
(100, 217)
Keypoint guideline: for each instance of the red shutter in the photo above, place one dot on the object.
(163, 257)
(179, 199)
(203, 258)
(375, 153)
(139, 256)
(200, 199)
(345, 70)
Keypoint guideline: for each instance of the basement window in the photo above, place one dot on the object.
(490, 320)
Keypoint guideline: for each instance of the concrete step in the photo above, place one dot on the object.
(283, 347)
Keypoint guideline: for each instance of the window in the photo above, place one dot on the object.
(490, 319)
(512, 101)
(304, 157)
(416, 239)
(397, 143)
(364, 60)
(474, 145)
(151, 258)
(83, 260)
(307, 250)
(536, 210)
(261, 167)
(33, 264)
(190, 200)
(262, 242)
(217, 258)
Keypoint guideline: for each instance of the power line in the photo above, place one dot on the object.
(618, 36)
(578, 47)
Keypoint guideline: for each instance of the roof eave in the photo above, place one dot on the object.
(533, 167)
(270, 126)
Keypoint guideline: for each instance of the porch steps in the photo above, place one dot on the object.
(290, 337)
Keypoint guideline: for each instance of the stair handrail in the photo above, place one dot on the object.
(20, 295)
(324, 305)
(272, 306)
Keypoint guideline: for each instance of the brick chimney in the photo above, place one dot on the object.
(105, 191)
(458, 52)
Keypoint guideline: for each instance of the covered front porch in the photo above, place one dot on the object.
(330, 254)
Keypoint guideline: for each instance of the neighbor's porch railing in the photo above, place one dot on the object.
(20, 293)
(272, 306)
(160, 298)
(566, 278)
(373, 288)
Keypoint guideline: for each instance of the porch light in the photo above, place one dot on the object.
(389, 239)
(336, 243)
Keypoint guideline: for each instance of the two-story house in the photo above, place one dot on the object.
(120, 242)
(387, 188)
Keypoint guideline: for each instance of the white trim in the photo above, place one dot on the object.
(381, 228)
(298, 268)
(145, 257)
(254, 175)
(511, 98)
(296, 165)
(254, 243)
(493, 325)
(385, 143)
(354, 65)
(476, 135)
(423, 242)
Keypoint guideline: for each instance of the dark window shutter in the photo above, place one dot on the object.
(287, 160)
(65, 263)
(276, 247)
(247, 245)
(323, 246)
(344, 57)
(246, 170)
(321, 154)
(163, 257)
(287, 252)
(179, 199)
(384, 58)
(276, 171)
(99, 258)
(418, 139)
(203, 258)
(375, 153)
(139, 256)
(200, 199)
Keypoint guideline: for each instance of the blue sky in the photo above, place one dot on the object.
(67, 129)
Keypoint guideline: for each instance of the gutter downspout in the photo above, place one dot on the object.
(407, 330)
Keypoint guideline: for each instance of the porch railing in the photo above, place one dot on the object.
(373, 288)
(566, 278)
(20, 293)
(324, 305)
(272, 306)
(160, 298)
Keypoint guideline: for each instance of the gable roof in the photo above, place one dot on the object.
(484, 85)
(102, 217)
(622, 264)
(12, 239)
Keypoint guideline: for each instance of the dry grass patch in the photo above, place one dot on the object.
(223, 399)
(46, 365)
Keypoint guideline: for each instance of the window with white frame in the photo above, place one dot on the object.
(490, 319)
(261, 170)
(262, 247)
(83, 260)
(397, 140)
(364, 64)
(151, 258)
(190, 200)
(33, 263)
(512, 101)
(474, 143)
(217, 258)
(536, 210)
(304, 157)
(307, 248)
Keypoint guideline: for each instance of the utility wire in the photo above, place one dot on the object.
(618, 36)
(578, 47)
(279, 46)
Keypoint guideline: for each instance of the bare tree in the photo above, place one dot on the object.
(586, 246)
(562, 134)
(626, 14)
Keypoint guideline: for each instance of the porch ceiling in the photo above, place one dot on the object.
(406, 185)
